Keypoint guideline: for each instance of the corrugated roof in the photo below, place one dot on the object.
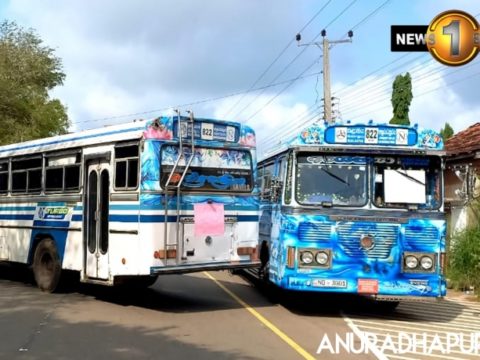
(465, 141)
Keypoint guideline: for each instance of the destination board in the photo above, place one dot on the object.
(208, 131)
(370, 135)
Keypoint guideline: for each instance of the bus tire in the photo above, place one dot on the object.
(46, 266)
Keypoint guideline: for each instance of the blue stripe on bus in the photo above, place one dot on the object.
(52, 203)
(17, 208)
(77, 217)
(72, 139)
(171, 218)
(174, 207)
(53, 223)
(16, 217)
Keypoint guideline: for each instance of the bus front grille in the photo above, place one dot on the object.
(314, 231)
(421, 236)
(384, 235)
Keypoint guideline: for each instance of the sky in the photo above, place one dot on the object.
(238, 60)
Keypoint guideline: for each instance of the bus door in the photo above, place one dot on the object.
(96, 206)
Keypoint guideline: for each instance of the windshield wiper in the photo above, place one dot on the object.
(335, 176)
(410, 177)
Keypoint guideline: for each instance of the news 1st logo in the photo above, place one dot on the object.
(452, 38)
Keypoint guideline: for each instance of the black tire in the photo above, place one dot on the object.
(46, 266)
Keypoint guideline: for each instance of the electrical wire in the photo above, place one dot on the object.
(276, 59)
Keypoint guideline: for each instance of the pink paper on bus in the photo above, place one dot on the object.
(209, 219)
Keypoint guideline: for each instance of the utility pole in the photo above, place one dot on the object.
(325, 46)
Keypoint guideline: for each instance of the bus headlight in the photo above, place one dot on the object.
(306, 257)
(411, 262)
(321, 258)
(426, 262)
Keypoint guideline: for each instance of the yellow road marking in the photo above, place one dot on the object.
(263, 320)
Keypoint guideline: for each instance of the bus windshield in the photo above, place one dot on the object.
(331, 180)
(419, 179)
(211, 169)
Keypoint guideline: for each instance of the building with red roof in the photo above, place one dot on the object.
(462, 178)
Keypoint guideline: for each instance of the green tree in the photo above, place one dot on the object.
(447, 132)
(401, 99)
(28, 70)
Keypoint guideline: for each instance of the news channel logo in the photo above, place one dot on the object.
(452, 38)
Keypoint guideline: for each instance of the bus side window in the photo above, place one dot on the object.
(4, 178)
(27, 175)
(258, 181)
(281, 169)
(126, 167)
(62, 172)
(267, 181)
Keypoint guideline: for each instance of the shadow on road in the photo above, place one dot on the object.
(354, 306)
(195, 293)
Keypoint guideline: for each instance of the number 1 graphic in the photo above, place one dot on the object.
(453, 29)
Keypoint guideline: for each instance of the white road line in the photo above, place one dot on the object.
(442, 321)
(401, 324)
(371, 347)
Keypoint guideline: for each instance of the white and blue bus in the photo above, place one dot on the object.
(130, 202)
(355, 208)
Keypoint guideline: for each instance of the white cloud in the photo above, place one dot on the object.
(124, 57)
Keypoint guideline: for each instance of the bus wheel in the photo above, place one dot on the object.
(46, 266)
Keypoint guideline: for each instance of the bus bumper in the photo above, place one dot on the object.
(189, 268)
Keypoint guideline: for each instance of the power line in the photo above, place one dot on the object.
(388, 96)
(362, 21)
(280, 92)
(426, 92)
(275, 60)
(373, 72)
(295, 58)
(190, 103)
(377, 83)
(358, 96)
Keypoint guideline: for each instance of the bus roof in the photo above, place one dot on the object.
(163, 128)
(372, 136)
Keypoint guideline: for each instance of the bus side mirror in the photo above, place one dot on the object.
(275, 190)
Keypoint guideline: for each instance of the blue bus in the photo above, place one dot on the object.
(355, 208)
(130, 202)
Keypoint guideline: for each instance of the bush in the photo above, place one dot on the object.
(464, 259)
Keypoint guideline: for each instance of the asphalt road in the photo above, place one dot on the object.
(203, 316)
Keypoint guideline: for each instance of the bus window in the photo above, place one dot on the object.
(210, 169)
(258, 180)
(288, 180)
(27, 175)
(419, 177)
(126, 167)
(62, 172)
(267, 181)
(3, 178)
(328, 180)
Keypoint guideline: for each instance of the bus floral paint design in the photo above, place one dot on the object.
(247, 137)
(210, 169)
(160, 128)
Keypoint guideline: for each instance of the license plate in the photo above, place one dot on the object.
(329, 283)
